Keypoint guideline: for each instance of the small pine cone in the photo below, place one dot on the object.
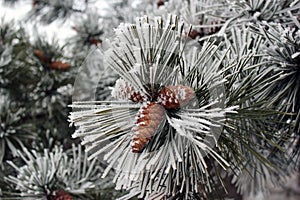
(60, 195)
(173, 97)
(193, 34)
(148, 121)
(125, 91)
(160, 3)
(41, 56)
(59, 65)
(93, 41)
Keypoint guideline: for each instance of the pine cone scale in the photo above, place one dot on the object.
(173, 97)
(125, 91)
(61, 195)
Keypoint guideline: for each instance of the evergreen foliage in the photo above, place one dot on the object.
(163, 99)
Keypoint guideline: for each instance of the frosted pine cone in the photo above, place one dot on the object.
(173, 97)
(148, 121)
(125, 91)
(61, 195)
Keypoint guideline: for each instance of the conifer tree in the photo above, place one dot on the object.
(163, 99)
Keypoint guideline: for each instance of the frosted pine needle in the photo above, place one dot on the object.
(45, 174)
(148, 151)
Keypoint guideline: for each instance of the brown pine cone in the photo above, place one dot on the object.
(125, 91)
(41, 56)
(60, 195)
(193, 34)
(173, 97)
(148, 121)
(160, 3)
(59, 65)
(94, 41)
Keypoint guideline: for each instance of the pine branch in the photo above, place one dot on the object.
(52, 173)
(16, 132)
(48, 11)
(150, 55)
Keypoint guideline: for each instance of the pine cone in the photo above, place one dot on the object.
(60, 195)
(148, 121)
(173, 97)
(193, 34)
(59, 65)
(41, 56)
(160, 3)
(125, 91)
(94, 41)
